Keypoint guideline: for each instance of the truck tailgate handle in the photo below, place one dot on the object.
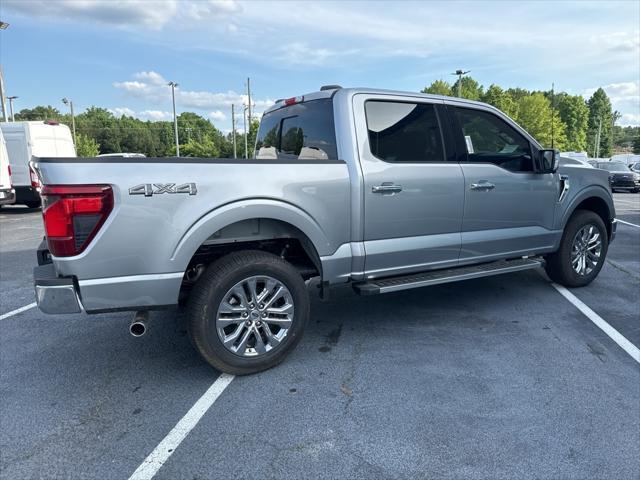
(386, 188)
(482, 185)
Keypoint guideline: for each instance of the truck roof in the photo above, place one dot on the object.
(356, 90)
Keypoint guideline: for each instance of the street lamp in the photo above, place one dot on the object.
(68, 102)
(3, 26)
(246, 135)
(11, 99)
(460, 73)
(173, 86)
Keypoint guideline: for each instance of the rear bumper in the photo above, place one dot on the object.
(55, 295)
(7, 196)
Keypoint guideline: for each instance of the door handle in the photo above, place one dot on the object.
(386, 188)
(482, 185)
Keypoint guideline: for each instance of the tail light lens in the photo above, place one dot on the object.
(35, 181)
(73, 215)
(10, 179)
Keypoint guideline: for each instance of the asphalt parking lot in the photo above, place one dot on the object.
(493, 378)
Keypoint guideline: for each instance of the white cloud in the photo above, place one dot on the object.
(151, 87)
(120, 111)
(625, 97)
(151, 14)
(217, 115)
(155, 115)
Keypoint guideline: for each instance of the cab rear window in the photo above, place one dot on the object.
(304, 131)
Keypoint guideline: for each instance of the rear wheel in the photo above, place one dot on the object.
(582, 251)
(247, 312)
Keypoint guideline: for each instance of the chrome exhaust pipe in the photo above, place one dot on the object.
(138, 326)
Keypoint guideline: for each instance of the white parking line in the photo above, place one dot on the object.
(628, 223)
(148, 469)
(17, 311)
(616, 336)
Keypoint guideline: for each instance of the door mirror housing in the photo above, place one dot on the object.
(548, 161)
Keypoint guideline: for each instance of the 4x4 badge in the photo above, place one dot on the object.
(148, 189)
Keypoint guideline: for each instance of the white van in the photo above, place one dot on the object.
(7, 193)
(38, 139)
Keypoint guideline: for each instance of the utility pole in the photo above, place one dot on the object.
(173, 86)
(249, 98)
(246, 134)
(233, 129)
(460, 73)
(66, 101)
(597, 149)
(553, 108)
(11, 99)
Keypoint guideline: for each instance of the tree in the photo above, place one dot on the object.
(500, 99)
(574, 113)
(40, 112)
(86, 146)
(439, 87)
(636, 144)
(469, 88)
(102, 126)
(536, 117)
(600, 118)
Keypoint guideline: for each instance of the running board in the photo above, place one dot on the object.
(435, 277)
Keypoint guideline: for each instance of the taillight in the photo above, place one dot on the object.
(35, 181)
(73, 215)
(10, 179)
(293, 100)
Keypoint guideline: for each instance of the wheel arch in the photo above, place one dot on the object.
(595, 199)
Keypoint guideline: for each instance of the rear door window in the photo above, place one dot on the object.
(304, 131)
(404, 131)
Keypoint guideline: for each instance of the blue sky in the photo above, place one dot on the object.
(119, 54)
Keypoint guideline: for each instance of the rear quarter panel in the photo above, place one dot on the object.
(159, 234)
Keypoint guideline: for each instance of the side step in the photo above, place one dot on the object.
(435, 277)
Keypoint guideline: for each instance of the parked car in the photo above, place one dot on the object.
(382, 190)
(27, 139)
(575, 161)
(621, 177)
(123, 154)
(7, 192)
(635, 167)
(626, 158)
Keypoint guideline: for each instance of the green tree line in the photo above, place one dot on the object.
(99, 131)
(558, 119)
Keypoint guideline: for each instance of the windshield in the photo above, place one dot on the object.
(304, 131)
(613, 167)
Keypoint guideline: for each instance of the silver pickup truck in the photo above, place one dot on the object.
(380, 189)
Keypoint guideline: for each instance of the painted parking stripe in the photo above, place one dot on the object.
(17, 311)
(616, 336)
(628, 223)
(148, 469)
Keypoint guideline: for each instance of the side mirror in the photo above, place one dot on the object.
(548, 161)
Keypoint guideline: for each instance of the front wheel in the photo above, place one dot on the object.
(248, 312)
(582, 251)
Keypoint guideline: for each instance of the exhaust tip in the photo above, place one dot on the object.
(137, 329)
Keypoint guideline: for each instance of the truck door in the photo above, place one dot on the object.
(413, 187)
(509, 208)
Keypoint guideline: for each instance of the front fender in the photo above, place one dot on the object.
(248, 209)
(591, 191)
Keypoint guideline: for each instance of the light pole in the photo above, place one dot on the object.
(460, 73)
(68, 102)
(3, 26)
(173, 86)
(11, 99)
(246, 135)
(233, 129)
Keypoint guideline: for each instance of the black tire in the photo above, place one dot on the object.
(34, 204)
(216, 282)
(558, 265)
